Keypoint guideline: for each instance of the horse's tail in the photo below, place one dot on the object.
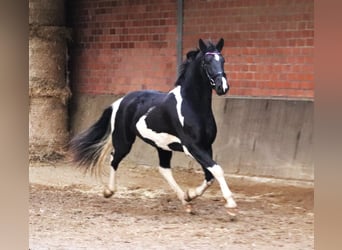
(90, 147)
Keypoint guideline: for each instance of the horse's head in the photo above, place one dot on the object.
(213, 66)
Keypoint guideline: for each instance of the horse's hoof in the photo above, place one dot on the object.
(107, 193)
(188, 209)
(232, 212)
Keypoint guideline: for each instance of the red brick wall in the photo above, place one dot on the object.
(129, 45)
(268, 43)
(121, 46)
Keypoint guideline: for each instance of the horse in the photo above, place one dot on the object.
(179, 120)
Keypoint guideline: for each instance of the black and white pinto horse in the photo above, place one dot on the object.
(180, 120)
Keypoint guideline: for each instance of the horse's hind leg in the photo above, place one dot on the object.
(165, 171)
(121, 150)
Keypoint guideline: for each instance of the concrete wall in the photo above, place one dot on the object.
(261, 137)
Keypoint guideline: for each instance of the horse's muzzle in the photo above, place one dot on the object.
(221, 85)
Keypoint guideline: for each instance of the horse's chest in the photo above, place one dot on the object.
(202, 133)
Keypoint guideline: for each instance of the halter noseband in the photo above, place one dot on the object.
(211, 79)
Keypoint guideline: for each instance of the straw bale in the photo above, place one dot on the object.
(48, 123)
(47, 12)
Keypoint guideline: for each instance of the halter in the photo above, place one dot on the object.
(211, 79)
(212, 53)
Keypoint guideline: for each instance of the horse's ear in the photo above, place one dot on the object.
(202, 45)
(220, 44)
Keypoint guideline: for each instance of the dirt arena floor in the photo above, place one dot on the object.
(67, 211)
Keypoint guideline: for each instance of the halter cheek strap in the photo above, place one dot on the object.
(211, 79)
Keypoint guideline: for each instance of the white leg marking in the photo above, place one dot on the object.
(167, 174)
(112, 180)
(162, 140)
(198, 191)
(111, 188)
(177, 93)
(217, 171)
(224, 83)
(115, 107)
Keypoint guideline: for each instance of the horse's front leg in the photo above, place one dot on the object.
(211, 168)
(231, 206)
(193, 193)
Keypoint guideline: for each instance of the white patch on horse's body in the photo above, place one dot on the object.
(162, 139)
(217, 172)
(177, 93)
(224, 84)
(115, 107)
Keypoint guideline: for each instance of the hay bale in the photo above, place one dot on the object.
(47, 62)
(50, 33)
(46, 90)
(47, 12)
(48, 123)
(48, 86)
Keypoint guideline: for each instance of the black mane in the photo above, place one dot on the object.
(190, 57)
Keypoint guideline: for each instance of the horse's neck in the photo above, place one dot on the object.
(198, 94)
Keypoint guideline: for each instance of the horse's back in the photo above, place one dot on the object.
(136, 104)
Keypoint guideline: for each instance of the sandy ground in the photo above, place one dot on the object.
(67, 211)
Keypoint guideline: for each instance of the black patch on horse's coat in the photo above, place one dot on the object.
(162, 112)
(175, 147)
